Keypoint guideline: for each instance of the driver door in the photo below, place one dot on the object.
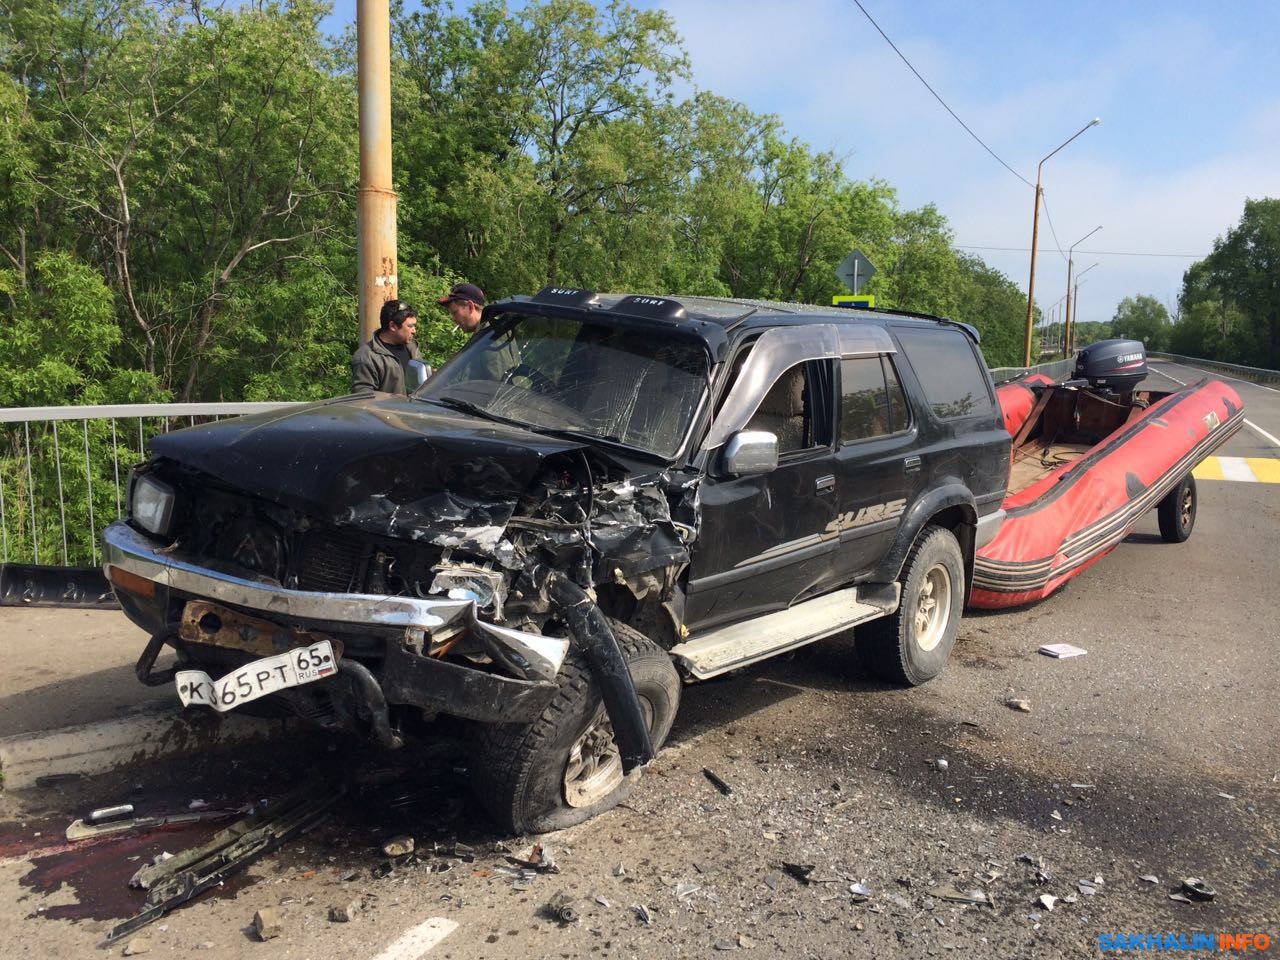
(764, 541)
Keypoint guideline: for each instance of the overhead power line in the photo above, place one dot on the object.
(939, 99)
(1096, 253)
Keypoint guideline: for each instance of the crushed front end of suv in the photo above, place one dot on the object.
(600, 496)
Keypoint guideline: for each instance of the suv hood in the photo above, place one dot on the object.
(389, 465)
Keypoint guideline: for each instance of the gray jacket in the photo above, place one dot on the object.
(375, 367)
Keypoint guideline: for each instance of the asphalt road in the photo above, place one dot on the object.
(1154, 755)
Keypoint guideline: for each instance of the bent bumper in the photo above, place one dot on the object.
(135, 565)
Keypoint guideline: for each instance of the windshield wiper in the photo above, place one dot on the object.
(608, 438)
(466, 406)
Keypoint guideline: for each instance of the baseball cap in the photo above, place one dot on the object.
(464, 291)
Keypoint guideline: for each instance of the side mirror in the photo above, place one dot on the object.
(750, 453)
(417, 374)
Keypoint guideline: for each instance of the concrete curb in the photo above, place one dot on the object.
(95, 748)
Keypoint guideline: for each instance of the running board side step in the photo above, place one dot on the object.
(740, 644)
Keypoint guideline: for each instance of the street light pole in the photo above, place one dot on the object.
(1075, 309)
(1035, 233)
(375, 198)
(1066, 331)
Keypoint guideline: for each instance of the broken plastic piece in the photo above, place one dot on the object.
(1047, 900)
(717, 782)
(949, 893)
(110, 813)
(1197, 889)
(799, 871)
(1023, 706)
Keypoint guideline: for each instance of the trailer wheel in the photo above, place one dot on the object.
(564, 767)
(1177, 511)
(913, 644)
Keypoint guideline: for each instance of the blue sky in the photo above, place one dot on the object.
(1188, 94)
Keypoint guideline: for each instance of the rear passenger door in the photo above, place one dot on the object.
(878, 473)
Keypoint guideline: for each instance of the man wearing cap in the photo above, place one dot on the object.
(465, 303)
(383, 362)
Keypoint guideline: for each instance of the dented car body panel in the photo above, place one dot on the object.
(456, 545)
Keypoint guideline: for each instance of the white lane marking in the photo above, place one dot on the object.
(417, 942)
(1275, 440)
(1223, 376)
(1247, 423)
(1236, 468)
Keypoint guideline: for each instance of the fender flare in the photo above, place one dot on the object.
(950, 496)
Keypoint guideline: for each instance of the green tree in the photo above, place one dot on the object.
(1142, 318)
(996, 306)
(1240, 282)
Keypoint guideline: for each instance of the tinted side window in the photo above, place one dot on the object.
(871, 401)
(945, 364)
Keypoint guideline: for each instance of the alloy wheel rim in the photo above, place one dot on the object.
(594, 767)
(1186, 508)
(933, 608)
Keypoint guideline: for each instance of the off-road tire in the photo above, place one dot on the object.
(1177, 511)
(892, 647)
(518, 770)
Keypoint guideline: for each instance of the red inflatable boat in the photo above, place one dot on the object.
(1090, 457)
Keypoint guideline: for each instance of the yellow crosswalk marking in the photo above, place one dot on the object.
(1256, 469)
(1208, 469)
(1265, 469)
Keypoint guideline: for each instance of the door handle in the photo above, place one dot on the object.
(911, 465)
(825, 484)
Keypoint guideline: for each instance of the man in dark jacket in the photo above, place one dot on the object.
(383, 362)
(465, 303)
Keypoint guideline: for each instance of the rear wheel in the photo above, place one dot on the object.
(1177, 511)
(565, 766)
(913, 644)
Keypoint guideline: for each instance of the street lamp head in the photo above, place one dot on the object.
(1095, 121)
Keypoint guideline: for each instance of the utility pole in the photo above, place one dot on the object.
(376, 204)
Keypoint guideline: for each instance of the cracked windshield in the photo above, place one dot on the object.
(626, 386)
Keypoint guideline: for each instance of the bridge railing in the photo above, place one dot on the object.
(64, 474)
(1255, 374)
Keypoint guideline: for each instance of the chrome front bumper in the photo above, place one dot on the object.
(536, 656)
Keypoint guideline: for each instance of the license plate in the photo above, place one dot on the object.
(268, 675)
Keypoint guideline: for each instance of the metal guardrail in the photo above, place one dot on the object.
(1256, 374)
(1058, 369)
(64, 470)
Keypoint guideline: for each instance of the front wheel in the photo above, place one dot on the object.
(1177, 511)
(565, 767)
(913, 644)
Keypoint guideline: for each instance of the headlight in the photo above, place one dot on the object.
(151, 504)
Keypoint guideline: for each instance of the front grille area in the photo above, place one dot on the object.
(331, 564)
(265, 539)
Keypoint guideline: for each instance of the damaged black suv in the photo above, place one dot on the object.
(598, 495)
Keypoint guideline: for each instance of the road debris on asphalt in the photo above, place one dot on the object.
(109, 813)
(717, 782)
(1062, 651)
(1149, 878)
(399, 846)
(87, 829)
(800, 872)
(1022, 706)
(952, 894)
(267, 923)
(1047, 900)
(346, 912)
(538, 859)
(563, 907)
(642, 913)
(136, 946)
(174, 881)
(860, 892)
(1197, 889)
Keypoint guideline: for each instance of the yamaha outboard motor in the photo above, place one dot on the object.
(1113, 366)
